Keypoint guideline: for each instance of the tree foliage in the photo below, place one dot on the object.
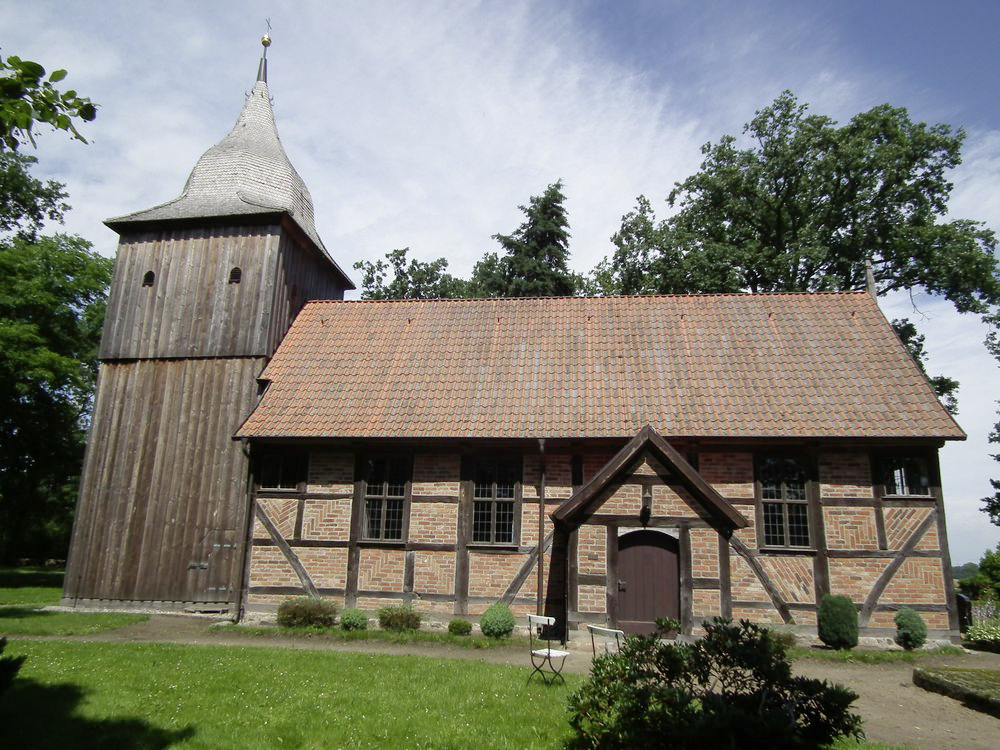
(732, 689)
(533, 262)
(52, 295)
(25, 202)
(410, 280)
(535, 255)
(986, 581)
(804, 206)
(28, 98)
(991, 503)
(51, 308)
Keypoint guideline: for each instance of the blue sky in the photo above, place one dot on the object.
(426, 124)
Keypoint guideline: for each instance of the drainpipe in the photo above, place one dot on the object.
(540, 605)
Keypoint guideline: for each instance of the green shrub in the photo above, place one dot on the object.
(306, 611)
(354, 619)
(786, 638)
(497, 622)
(838, 622)
(985, 631)
(398, 618)
(459, 627)
(911, 632)
(731, 689)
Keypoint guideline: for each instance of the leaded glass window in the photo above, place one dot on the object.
(282, 470)
(905, 476)
(495, 485)
(385, 482)
(784, 506)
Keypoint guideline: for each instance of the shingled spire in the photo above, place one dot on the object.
(246, 173)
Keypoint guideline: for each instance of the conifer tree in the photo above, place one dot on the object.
(534, 263)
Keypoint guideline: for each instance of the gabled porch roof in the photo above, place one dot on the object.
(648, 442)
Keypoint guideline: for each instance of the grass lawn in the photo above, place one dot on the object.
(103, 695)
(23, 593)
(159, 695)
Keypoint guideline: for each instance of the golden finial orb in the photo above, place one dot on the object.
(266, 40)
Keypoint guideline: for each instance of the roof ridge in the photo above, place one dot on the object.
(741, 295)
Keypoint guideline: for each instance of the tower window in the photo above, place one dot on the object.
(235, 275)
(148, 279)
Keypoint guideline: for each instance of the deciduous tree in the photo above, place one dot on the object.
(410, 280)
(52, 294)
(802, 204)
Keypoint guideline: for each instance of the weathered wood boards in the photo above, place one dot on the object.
(163, 497)
(163, 506)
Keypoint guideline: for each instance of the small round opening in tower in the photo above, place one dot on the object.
(235, 275)
(148, 278)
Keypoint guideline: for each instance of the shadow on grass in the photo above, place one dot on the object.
(44, 716)
(23, 612)
(17, 578)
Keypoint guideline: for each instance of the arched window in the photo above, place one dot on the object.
(235, 275)
(148, 279)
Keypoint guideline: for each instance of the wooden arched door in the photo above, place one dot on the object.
(648, 580)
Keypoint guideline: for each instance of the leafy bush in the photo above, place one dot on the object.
(786, 638)
(305, 611)
(398, 618)
(838, 622)
(497, 622)
(911, 632)
(988, 630)
(354, 619)
(459, 627)
(732, 689)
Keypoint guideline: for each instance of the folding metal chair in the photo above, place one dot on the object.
(606, 636)
(542, 659)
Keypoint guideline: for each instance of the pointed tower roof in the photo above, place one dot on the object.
(246, 173)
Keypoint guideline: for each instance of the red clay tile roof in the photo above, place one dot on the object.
(778, 365)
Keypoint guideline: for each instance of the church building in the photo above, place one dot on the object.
(602, 460)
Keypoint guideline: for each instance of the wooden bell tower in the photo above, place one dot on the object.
(205, 287)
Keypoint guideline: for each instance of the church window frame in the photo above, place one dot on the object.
(782, 494)
(386, 488)
(282, 470)
(495, 493)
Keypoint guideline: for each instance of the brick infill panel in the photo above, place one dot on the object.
(845, 475)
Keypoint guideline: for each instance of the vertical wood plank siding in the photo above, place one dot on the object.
(191, 309)
(163, 498)
(163, 506)
(299, 276)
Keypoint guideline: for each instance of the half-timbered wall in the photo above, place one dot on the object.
(883, 553)
(310, 540)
